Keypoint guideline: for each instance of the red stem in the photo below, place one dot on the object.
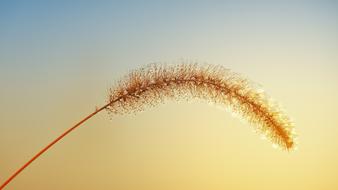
(51, 144)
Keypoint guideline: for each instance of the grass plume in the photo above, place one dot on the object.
(153, 84)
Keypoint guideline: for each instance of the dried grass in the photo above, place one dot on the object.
(153, 84)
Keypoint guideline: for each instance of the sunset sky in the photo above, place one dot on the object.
(59, 58)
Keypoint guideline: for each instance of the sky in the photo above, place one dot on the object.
(59, 58)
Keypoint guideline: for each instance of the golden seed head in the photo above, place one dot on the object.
(154, 83)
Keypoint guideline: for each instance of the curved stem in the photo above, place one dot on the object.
(51, 144)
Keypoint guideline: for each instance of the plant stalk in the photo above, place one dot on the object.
(51, 144)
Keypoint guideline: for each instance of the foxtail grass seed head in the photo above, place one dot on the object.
(153, 84)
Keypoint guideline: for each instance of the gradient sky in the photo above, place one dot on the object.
(58, 59)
